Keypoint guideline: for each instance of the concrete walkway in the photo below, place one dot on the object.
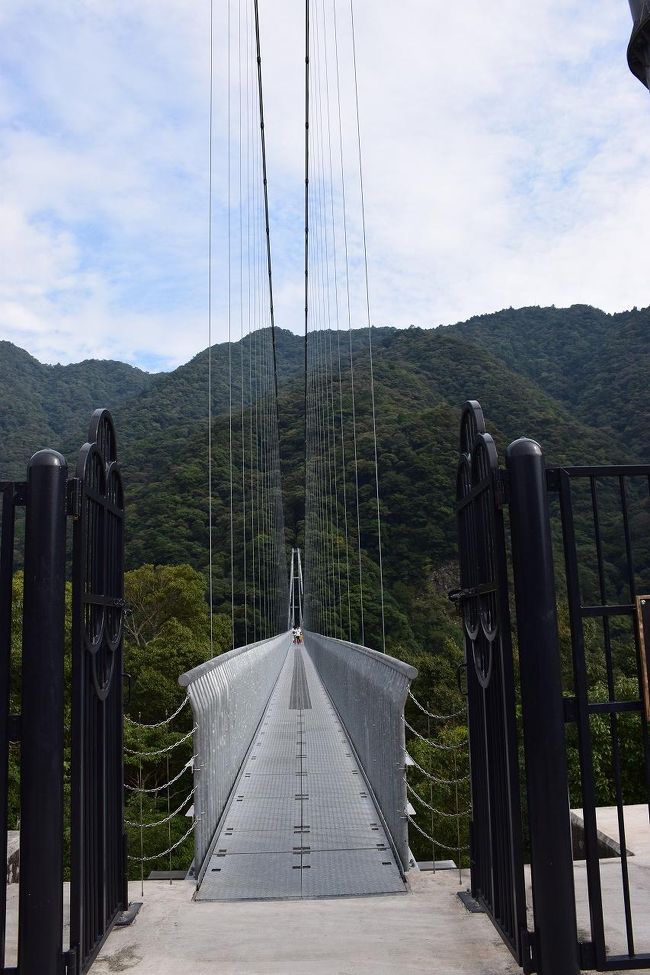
(637, 837)
(425, 932)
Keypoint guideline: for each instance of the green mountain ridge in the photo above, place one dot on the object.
(570, 378)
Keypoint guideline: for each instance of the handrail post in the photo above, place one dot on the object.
(40, 948)
(556, 939)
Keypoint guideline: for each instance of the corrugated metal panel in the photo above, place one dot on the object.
(369, 690)
(228, 696)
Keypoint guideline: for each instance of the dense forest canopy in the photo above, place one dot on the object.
(571, 378)
(574, 379)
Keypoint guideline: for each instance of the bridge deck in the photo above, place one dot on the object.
(301, 823)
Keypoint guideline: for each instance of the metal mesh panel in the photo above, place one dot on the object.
(369, 690)
(228, 696)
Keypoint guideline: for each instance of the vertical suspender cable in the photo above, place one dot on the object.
(241, 304)
(279, 526)
(372, 378)
(230, 453)
(210, 577)
(266, 197)
(308, 477)
(338, 349)
(349, 315)
(306, 210)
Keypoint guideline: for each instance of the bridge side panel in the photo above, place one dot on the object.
(369, 690)
(228, 695)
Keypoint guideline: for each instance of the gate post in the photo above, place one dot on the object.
(543, 714)
(40, 949)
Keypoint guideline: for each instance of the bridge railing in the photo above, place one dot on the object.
(369, 690)
(228, 695)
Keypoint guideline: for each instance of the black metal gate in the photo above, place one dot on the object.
(98, 872)
(604, 513)
(8, 730)
(589, 526)
(98, 889)
(495, 838)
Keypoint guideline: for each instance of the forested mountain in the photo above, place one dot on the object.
(574, 379)
(48, 406)
(593, 363)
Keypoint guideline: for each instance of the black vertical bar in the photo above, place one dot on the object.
(6, 579)
(583, 725)
(40, 948)
(543, 713)
(613, 725)
(80, 744)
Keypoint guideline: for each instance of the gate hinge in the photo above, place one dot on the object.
(586, 954)
(501, 488)
(13, 727)
(73, 500)
(570, 705)
(528, 941)
(71, 961)
(553, 478)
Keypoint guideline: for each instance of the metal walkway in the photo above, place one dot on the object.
(300, 822)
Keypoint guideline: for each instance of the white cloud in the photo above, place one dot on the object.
(505, 162)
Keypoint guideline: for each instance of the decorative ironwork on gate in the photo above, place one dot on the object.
(495, 834)
(98, 889)
(598, 691)
(98, 867)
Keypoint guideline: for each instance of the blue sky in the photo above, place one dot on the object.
(506, 163)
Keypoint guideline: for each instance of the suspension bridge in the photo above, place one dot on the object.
(299, 767)
(300, 734)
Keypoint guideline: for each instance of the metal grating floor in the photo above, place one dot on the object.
(300, 821)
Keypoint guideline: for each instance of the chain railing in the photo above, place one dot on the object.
(170, 849)
(437, 717)
(157, 724)
(435, 744)
(160, 751)
(156, 792)
(442, 820)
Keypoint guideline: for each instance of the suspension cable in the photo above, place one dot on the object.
(306, 218)
(266, 194)
(241, 306)
(230, 444)
(210, 128)
(344, 210)
(372, 377)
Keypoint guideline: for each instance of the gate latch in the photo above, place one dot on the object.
(74, 497)
(456, 596)
(643, 630)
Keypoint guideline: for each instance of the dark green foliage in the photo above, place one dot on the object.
(574, 379)
(50, 406)
(167, 633)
